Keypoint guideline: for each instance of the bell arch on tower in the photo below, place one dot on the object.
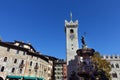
(71, 31)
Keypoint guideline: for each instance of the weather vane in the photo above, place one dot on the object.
(71, 16)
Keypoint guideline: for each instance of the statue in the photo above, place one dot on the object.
(83, 42)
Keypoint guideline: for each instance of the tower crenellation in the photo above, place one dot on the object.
(111, 56)
(71, 23)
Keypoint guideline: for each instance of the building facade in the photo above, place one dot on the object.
(51, 68)
(115, 66)
(20, 61)
(60, 70)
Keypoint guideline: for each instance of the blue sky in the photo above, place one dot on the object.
(41, 22)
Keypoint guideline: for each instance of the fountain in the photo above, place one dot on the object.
(86, 68)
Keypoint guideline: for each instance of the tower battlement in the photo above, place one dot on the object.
(110, 56)
(71, 23)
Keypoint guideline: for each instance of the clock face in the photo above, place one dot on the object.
(72, 36)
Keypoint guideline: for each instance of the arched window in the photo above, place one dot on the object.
(31, 63)
(71, 31)
(117, 66)
(13, 70)
(114, 75)
(112, 66)
(2, 69)
(15, 61)
(5, 59)
(36, 64)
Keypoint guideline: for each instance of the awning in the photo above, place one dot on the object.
(40, 78)
(29, 78)
(14, 77)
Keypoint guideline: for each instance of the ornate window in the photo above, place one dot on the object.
(36, 66)
(2, 69)
(21, 64)
(5, 59)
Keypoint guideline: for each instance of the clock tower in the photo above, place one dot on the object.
(71, 30)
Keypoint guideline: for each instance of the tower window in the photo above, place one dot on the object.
(71, 31)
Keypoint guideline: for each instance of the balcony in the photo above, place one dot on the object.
(21, 65)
